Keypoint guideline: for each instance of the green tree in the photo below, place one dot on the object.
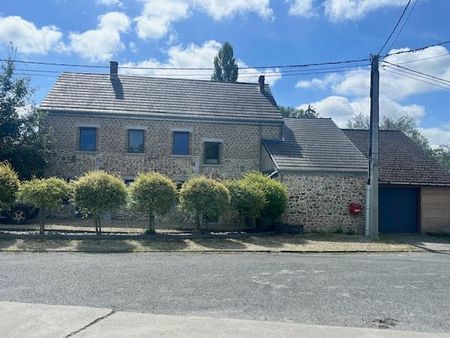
(299, 113)
(247, 200)
(406, 124)
(96, 193)
(154, 194)
(47, 194)
(359, 121)
(9, 185)
(22, 140)
(442, 155)
(275, 194)
(204, 198)
(225, 66)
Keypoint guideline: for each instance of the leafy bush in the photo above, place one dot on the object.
(9, 185)
(96, 193)
(204, 198)
(275, 194)
(154, 194)
(247, 200)
(47, 194)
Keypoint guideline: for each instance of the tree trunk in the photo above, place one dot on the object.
(42, 221)
(99, 225)
(197, 222)
(151, 223)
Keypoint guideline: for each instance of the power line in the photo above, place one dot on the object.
(423, 59)
(186, 68)
(415, 77)
(395, 27)
(417, 72)
(403, 26)
(417, 49)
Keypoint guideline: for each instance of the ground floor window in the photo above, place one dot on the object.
(211, 153)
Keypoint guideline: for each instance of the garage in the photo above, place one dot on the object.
(414, 193)
(398, 209)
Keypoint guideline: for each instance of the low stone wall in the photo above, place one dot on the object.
(175, 220)
(319, 202)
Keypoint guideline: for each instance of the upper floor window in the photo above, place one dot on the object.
(180, 143)
(88, 139)
(211, 153)
(135, 141)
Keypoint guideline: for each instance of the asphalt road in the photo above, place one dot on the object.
(412, 291)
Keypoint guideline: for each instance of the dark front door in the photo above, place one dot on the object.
(398, 209)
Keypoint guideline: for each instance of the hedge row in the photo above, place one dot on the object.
(255, 196)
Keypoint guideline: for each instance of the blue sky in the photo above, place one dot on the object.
(187, 33)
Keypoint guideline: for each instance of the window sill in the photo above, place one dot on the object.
(211, 164)
(182, 156)
(135, 154)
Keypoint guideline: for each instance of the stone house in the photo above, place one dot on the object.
(180, 127)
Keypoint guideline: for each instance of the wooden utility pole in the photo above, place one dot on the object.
(372, 189)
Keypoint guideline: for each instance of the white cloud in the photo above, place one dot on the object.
(438, 135)
(28, 38)
(303, 8)
(101, 43)
(219, 9)
(158, 16)
(339, 10)
(350, 90)
(111, 3)
(194, 56)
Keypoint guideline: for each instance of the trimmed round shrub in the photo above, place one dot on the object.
(275, 194)
(47, 194)
(9, 185)
(153, 194)
(96, 193)
(247, 200)
(204, 198)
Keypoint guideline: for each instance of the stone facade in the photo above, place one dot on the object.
(240, 148)
(319, 202)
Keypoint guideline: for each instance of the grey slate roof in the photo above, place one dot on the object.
(315, 145)
(402, 161)
(161, 98)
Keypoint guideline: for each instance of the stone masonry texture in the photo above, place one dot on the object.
(240, 149)
(320, 202)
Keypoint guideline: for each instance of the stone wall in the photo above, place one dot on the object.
(240, 150)
(319, 202)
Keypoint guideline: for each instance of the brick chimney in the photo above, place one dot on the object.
(113, 69)
(261, 81)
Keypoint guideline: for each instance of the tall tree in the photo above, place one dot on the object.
(406, 124)
(299, 113)
(225, 66)
(22, 142)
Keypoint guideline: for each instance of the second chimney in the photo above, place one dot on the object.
(261, 81)
(113, 69)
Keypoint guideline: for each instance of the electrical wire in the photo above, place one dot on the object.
(395, 27)
(415, 77)
(420, 73)
(186, 68)
(403, 26)
(417, 49)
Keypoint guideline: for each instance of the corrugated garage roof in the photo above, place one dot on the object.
(402, 161)
(315, 145)
(161, 98)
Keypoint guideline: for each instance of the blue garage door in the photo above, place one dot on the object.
(398, 209)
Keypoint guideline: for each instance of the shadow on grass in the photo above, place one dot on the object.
(104, 245)
(221, 243)
(6, 243)
(172, 244)
(39, 244)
